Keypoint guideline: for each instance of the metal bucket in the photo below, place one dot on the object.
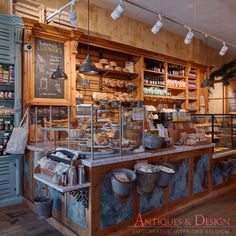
(153, 141)
(146, 182)
(122, 189)
(165, 174)
(43, 206)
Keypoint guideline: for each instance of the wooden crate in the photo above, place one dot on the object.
(29, 9)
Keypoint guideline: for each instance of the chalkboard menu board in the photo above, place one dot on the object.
(47, 56)
(232, 101)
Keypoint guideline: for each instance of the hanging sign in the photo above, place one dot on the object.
(48, 55)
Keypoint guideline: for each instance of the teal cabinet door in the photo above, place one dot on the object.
(6, 44)
(7, 178)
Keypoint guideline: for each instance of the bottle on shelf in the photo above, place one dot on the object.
(72, 176)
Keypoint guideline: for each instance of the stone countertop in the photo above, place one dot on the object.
(100, 161)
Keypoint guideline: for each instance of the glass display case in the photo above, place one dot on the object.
(218, 127)
(91, 130)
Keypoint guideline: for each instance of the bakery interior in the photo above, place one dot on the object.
(112, 110)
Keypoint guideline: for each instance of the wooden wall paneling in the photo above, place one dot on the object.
(29, 9)
(138, 68)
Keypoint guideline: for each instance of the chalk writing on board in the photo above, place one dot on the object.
(48, 55)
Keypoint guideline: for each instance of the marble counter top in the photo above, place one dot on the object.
(139, 156)
(99, 161)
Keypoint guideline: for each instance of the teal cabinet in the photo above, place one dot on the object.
(10, 180)
(6, 41)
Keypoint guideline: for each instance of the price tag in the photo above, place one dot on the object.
(138, 114)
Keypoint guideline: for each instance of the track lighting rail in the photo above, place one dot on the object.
(180, 23)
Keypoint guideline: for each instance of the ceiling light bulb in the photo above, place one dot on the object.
(188, 37)
(156, 28)
(117, 12)
(223, 50)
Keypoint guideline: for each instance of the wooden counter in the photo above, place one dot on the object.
(198, 177)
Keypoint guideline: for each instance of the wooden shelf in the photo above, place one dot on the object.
(63, 189)
(176, 88)
(154, 72)
(115, 74)
(192, 88)
(176, 76)
(155, 85)
(121, 74)
(192, 78)
(193, 99)
(164, 97)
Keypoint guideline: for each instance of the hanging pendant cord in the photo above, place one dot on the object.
(88, 31)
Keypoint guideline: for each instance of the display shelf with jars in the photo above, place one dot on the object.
(193, 89)
(7, 90)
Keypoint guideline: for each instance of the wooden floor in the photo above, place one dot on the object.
(219, 209)
(20, 221)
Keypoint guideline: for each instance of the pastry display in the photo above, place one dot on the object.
(112, 83)
(192, 139)
(122, 97)
(79, 95)
(150, 108)
(99, 65)
(103, 61)
(101, 138)
(126, 143)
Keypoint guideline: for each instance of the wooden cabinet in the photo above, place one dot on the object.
(166, 83)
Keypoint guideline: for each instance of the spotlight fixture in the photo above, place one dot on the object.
(117, 12)
(189, 36)
(156, 28)
(73, 17)
(223, 50)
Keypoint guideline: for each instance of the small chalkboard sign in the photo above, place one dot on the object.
(48, 54)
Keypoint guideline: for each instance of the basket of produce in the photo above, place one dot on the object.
(153, 141)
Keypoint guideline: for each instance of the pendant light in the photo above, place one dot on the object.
(207, 83)
(59, 74)
(87, 67)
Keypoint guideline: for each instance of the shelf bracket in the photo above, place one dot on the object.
(81, 195)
